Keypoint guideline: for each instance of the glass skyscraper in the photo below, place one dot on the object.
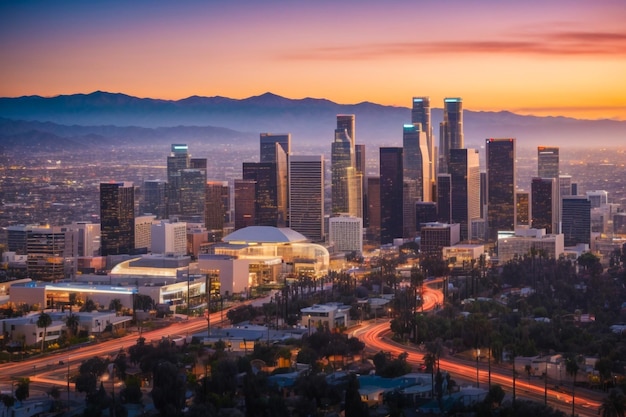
(117, 218)
(501, 180)
(450, 131)
(391, 194)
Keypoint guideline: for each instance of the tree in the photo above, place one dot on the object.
(22, 389)
(89, 306)
(168, 391)
(354, 405)
(572, 368)
(44, 321)
(614, 405)
(72, 323)
(115, 305)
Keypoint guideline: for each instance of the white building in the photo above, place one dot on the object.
(331, 315)
(143, 232)
(169, 238)
(345, 233)
(551, 246)
(460, 253)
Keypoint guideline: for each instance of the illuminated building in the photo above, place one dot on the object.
(216, 206)
(522, 205)
(45, 247)
(266, 192)
(117, 218)
(276, 148)
(450, 131)
(464, 170)
(416, 174)
(154, 198)
(420, 113)
(576, 224)
(245, 194)
(306, 196)
(345, 233)
(544, 196)
(520, 244)
(178, 160)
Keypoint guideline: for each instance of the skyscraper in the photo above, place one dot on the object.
(548, 167)
(444, 198)
(391, 194)
(154, 201)
(415, 174)
(347, 122)
(420, 113)
(192, 184)
(359, 153)
(306, 195)
(178, 160)
(268, 142)
(343, 172)
(464, 171)
(117, 218)
(266, 194)
(547, 162)
(276, 148)
(450, 130)
(216, 205)
(373, 208)
(416, 165)
(576, 223)
(544, 197)
(245, 193)
(501, 180)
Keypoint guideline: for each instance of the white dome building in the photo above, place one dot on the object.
(258, 255)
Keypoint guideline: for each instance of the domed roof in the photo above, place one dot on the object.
(265, 234)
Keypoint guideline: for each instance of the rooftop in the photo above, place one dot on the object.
(265, 234)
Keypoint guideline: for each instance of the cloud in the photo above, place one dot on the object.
(552, 44)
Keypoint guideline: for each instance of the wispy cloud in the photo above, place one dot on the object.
(567, 43)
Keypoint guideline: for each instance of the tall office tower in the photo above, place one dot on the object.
(501, 179)
(373, 209)
(464, 169)
(576, 224)
(347, 122)
(215, 208)
(420, 113)
(450, 131)
(268, 142)
(245, 193)
(343, 171)
(425, 212)
(483, 194)
(598, 198)
(306, 196)
(178, 160)
(117, 218)
(276, 148)
(154, 198)
(391, 194)
(416, 165)
(522, 205)
(266, 195)
(143, 236)
(547, 162)
(45, 246)
(191, 194)
(543, 201)
(17, 236)
(359, 156)
(565, 185)
(169, 238)
(415, 174)
(548, 167)
(444, 198)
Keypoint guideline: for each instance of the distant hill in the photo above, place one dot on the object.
(119, 117)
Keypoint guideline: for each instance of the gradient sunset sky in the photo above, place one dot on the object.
(543, 57)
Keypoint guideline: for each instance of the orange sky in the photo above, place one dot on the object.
(560, 57)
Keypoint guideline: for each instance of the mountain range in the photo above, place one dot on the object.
(113, 118)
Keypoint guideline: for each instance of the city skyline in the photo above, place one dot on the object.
(556, 58)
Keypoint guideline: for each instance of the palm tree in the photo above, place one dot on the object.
(572, 368)
(614, 405)
(44, 321)
(72, 323)
(430, 361)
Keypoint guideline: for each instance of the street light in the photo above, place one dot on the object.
(309, 325)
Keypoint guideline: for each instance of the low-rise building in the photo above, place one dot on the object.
(550, 246)
(331, 316)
